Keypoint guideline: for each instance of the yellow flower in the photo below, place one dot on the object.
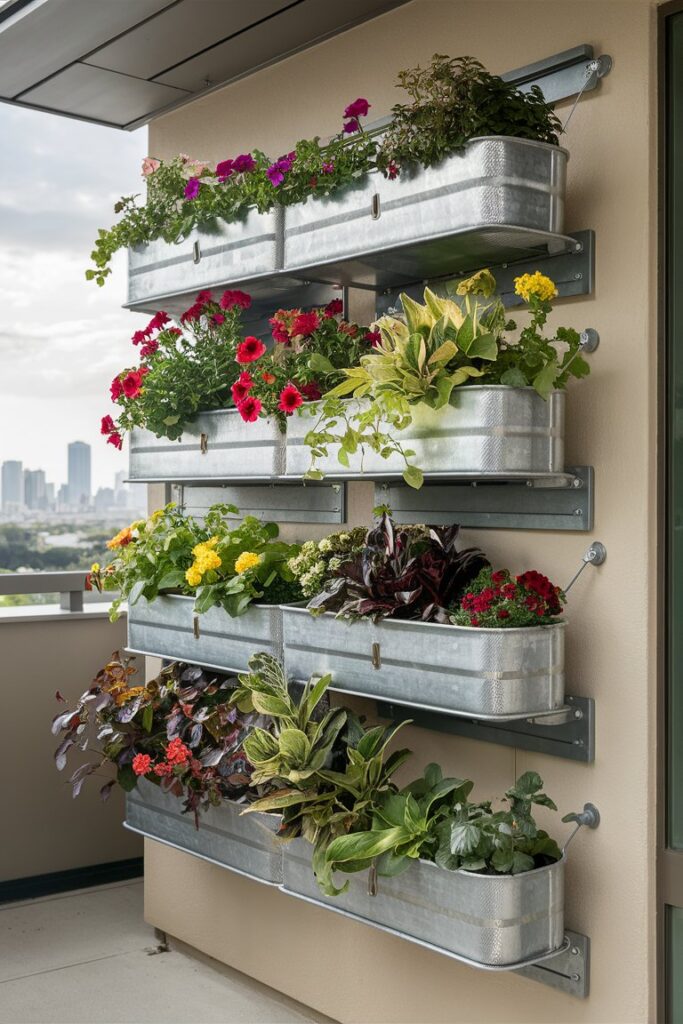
(200, 549)
(247, 560)
(95, 567)
(122, 538)
(538, 285)
(193, 576)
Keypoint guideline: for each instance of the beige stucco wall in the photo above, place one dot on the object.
(344, 969)
(44, 828)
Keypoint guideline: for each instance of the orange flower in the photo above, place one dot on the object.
(122, 538)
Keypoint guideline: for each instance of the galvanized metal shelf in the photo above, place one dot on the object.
(552, 501)
(317, 502)
(568, 733)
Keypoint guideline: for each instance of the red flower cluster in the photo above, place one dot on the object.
(497, 597)
(543, 598)
(232, 299)
(305, 324)
(142, 764)
(176, 754)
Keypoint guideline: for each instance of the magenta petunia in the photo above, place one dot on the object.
(351, 126)
(225, 169)
(359, 108)
(328, 168)
(244, 163)
(192, 188)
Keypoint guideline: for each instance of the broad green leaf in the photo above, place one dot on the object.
(418, 318)
(148, 718)
(464, 838)
(466, 335)
(513, 378)
(320, 363)
(294, 745)
(364, 845)
(444, 353)
(484, 347)
(544, 381)
(444, 307)
(270, 705)
(414, 477)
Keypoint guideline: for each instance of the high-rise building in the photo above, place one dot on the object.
(35, 489)
(12, 486)
(79, 474)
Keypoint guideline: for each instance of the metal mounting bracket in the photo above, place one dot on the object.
(571, 266)
(564, 74)
(549, 502)
(568, 732)
(568, 971)
(316, 502)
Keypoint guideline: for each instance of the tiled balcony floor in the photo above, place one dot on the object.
(89, 957)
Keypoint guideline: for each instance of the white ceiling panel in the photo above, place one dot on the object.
(102, 96)
(184, 29)
(46, 35)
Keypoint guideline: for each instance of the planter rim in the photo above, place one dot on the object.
(252, 604)
(398, 623)
(498, 878)
(459, 390)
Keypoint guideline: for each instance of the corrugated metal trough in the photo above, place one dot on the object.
(169, 628)
(478, 207)
(217, 445)
(488, 673)
(492, 431)
(243, 843)
(496, 921)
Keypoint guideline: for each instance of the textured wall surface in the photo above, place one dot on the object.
(344, 969)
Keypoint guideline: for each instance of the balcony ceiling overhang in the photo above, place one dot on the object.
(120, 63)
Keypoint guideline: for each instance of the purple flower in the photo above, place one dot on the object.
(244, 162)
(328, 168)
(192, 188)
(351, 126)
(224, 169)
(359, 108)
(276, 172)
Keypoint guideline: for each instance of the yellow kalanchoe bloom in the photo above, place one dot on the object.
(95, 567)
(247, 560)
(193, 576)
(537, 285)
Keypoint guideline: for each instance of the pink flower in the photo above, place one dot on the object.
(192, 187)
(115, 439)
(311, 391)
(218, 318)
(242, 386)
(249, 350)
(204, 297)
(107, 425)
(149, 166)
(349, 128)
(305, 323)
(229, 299)
(142, 764)
(290, 399)
(116, 389)
(249, 409)
(333, 308)
(276, 172)
(328, 168)
(244, 163)
(359, 108)
(392, 171)
(374, 337)
(132, 383)
(225, 169)
(177, 752)
(163, 769)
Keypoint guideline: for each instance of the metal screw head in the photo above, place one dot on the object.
(575, 951)
(578, 277)
(577, 483)
(578, 713)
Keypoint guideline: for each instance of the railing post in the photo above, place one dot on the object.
(71, 601)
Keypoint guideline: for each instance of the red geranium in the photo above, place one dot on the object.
(191, 314)
(115, 439)
(311, 391)
(159, 320)
(249, 350)
(107, 425)
(249, 409)
(305, 324)
(290, 399)
(149, 348)
(242, 386)
(334, 307)
(218, 318)
(132, 383)
(116, 389)
(141, 764)
(138, 337)
(229, 299)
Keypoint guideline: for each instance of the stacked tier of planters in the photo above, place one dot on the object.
(402, 614)
(297, 793)
(444, 389)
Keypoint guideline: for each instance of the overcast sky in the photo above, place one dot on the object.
(62, 339)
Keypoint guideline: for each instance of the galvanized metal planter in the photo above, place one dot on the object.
(169, 628)
(211, 255)
(387, 230)
(488, 673)
(492, 431)
(217, 445)
(242, 843)
(494, 921)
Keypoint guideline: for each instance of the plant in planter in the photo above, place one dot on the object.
(414, 573)
(436, 348)
(497, 599)
(318, 560)
(455, 100)
(432, 819)
(217, 561)
(181, 372)
(184, 192)
(179, 731)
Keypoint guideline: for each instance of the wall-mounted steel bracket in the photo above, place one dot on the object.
(568, 732)
(568, 971)
(570, 264)
(564, 74)
(547, 502)
(316, 502)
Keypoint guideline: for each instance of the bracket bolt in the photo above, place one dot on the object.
(578, 713)
(577, 483)
(578, 277)
(578, 511)
(575, 951)
(576, 977)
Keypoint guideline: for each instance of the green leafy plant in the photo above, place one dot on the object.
(178, 731)
(497, 599)
(416, 573)
(436, 347)
(455, 100)
(433, 819)
(219, 561)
